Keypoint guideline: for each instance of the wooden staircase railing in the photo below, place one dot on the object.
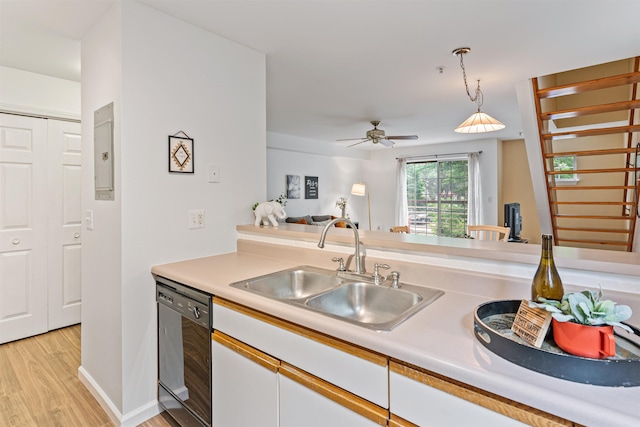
(593, 122)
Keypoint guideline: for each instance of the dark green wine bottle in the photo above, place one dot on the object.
(546, 282)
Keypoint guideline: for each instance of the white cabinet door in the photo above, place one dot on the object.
(424, 405)
(23, 227)
(245, 385)
(355, 370)
(308, 401)
(65, 223)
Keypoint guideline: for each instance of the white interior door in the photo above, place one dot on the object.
(65, 223)
(23, 227)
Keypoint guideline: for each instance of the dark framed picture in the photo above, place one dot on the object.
(180, 154)
(310, 187)
(293, 186)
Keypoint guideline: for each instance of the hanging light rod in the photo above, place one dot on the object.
(438, 156)
(478, 122)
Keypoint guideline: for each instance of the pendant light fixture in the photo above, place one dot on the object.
(478, 122)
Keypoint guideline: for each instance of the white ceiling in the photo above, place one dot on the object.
(332, 66)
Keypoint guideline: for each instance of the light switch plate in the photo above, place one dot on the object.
(214, 173)
(88, 219)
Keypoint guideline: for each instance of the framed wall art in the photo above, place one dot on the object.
(180, 153)
(293, 186)
(310, 187)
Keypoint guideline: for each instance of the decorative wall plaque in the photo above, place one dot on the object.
(310, 187)
(180, 154)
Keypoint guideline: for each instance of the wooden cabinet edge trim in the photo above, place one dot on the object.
(493, 402)
(396, 421)
(250, 353)
(352, 349)
(344, 398)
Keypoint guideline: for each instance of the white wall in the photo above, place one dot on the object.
(37, 94)
(101, 258)
(165, 76)
(381, 177)
(336, 169)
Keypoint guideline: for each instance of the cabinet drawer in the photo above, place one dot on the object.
(354, 369)
(425, 398)
(309, 401)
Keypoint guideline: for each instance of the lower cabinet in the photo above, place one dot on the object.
(251, 388)
(310, 402)
(245, 384)
(268, 372)
(418, 397)
(360, 371)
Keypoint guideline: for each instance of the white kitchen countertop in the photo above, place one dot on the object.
(438, 338)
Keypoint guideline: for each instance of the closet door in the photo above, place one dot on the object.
(23, 227)
(65, 223)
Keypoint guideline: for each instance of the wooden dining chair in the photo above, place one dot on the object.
(400, 229)
(489, 232)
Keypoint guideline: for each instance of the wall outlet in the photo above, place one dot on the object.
(196, 219)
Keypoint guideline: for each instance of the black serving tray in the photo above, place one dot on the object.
(492, 327)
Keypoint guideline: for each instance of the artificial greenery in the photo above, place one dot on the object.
(586, 308)
(282, 199)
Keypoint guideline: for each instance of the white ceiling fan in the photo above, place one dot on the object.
(376, 135)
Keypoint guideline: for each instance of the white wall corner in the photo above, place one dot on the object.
(101, 397)
(220, 102)
(132, 419)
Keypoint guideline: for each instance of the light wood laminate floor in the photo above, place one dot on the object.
(39, 384)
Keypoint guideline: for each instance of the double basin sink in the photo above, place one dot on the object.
(344, 296)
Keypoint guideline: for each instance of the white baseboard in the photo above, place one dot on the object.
(141, 414)
(131, 419)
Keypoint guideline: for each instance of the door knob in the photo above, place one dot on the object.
(16, 241)
(76, 235)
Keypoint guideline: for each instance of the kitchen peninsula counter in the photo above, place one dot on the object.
(440, 337)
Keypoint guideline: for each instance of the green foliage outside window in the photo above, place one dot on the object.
(437, 197)
(565, 163)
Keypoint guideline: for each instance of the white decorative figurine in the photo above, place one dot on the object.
(268, 211)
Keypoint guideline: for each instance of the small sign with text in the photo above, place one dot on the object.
(531, 324)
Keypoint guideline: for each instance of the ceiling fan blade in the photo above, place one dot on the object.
(403, 137)
(351, 139)
(386, 142)
(364, 140)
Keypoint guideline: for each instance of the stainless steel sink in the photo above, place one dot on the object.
(345, 297)
(373, 306)
(295, 283)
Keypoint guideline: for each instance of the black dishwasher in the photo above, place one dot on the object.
(184, 352)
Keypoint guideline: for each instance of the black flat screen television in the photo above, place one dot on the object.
(513, 220)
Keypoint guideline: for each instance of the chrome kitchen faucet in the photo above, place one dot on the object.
(360, 267)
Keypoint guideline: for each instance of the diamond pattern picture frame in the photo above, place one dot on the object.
(180, 154)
